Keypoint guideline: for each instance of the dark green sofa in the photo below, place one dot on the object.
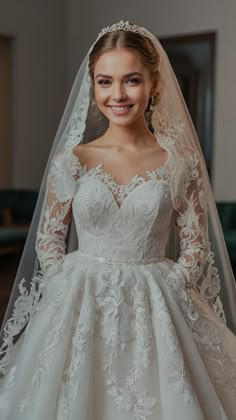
(227, 214)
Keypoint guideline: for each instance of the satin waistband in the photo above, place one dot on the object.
(143, 261)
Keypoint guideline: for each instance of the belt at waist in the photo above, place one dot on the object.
(143, 261)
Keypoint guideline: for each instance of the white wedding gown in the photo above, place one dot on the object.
(110, 338)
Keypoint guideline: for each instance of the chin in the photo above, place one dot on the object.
(122, 123)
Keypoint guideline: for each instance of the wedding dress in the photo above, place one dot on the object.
(110, 337)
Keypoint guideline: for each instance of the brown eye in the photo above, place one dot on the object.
(104, 82)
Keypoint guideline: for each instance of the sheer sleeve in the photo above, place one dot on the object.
(191, 225)
(51, 236)
(194, 268)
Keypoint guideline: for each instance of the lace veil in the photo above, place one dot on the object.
(173, 126)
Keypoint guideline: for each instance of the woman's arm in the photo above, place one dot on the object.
(192, 228)
(50, 244)
(191, 224)
(51, 236)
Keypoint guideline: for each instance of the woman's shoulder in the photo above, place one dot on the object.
(84, 151)
(91, 153)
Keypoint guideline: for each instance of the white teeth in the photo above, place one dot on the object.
(120, 108)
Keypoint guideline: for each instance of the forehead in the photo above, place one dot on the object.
(119, 60)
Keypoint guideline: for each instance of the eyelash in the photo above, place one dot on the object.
(104, 82)
(134, 81)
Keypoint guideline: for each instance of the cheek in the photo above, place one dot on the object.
(100, 95)
(143, 96)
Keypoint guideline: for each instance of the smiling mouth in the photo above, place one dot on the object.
(120, 108)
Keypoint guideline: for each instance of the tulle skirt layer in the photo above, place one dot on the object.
(112, 341)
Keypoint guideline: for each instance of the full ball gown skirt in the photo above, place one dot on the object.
(110, 339)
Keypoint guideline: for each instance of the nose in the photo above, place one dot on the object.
(119, 93)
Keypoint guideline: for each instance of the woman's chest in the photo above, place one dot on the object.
(99, 200)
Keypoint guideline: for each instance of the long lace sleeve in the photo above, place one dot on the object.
(191, 224)
(194, 268)
(51, 236)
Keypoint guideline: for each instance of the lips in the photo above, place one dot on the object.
(120, 106)
(118, 109)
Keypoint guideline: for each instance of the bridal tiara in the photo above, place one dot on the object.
(122, 26)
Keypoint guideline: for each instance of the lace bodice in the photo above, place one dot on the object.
(126, 223)
(107, 216)
(127, 231)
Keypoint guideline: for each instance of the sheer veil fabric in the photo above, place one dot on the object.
(207, 272)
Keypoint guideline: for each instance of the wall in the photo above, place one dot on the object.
(38, 29)
(171, 17)
(6, 149)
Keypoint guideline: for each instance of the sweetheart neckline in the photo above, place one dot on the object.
(119, 203)
(109, 178)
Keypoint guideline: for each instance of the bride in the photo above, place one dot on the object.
(118, 312)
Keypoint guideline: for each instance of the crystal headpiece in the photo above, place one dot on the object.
(122, 26)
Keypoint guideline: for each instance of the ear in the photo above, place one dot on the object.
(153, 88)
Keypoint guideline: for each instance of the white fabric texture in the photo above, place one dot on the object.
(111, 336)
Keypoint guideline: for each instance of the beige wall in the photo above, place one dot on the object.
(172, 17)
(39, 81)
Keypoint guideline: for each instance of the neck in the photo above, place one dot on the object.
(136, 134)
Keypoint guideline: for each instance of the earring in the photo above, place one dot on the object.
(153, 102)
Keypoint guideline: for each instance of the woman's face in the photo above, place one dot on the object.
(122, 85)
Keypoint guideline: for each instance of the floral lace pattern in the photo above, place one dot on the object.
(112, 303)
(177, 371)
(107, 306)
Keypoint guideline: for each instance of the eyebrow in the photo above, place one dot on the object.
(105, 76)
